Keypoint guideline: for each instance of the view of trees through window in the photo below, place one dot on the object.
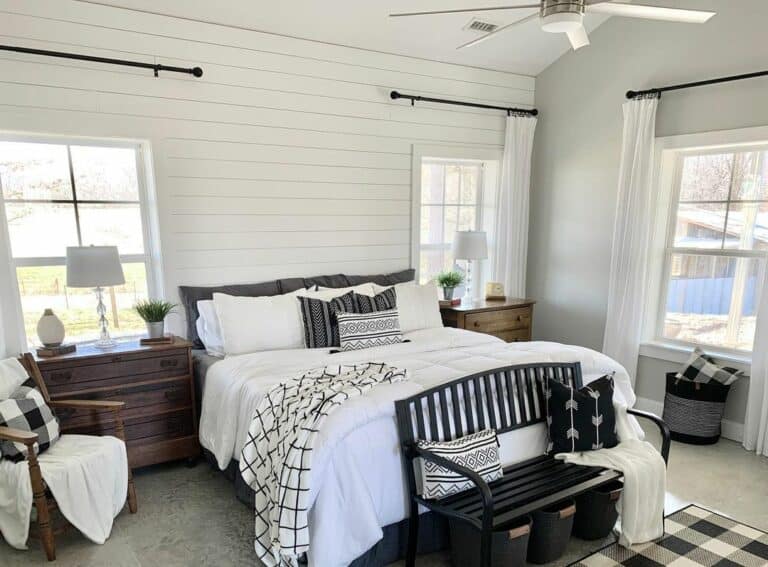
(58, 195)
(718, 248)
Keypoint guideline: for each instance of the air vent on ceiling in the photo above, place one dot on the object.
(481, 26)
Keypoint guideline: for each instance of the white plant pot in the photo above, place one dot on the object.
(50, 329)
(156, 330)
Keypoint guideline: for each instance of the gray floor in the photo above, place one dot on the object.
(190, 516)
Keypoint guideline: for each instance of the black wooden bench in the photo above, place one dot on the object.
(509, 398)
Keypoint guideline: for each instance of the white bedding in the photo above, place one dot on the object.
(358, 485)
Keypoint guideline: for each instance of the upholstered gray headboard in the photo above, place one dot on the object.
(190, 295)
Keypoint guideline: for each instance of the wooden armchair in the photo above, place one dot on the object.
(44, 501)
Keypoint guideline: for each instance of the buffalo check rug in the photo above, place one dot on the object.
(693, 537)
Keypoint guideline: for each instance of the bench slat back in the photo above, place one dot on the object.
(503, 399)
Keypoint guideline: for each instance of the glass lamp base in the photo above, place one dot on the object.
(105, 344)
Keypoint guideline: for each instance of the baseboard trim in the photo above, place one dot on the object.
(732, 430)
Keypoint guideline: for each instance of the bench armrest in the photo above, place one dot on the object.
(472, 476)
(666, 438)
(87, 404)
(18, 436)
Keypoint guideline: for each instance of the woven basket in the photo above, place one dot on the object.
(508, 546)
(596, 512)
(694, 411)
(551, 531)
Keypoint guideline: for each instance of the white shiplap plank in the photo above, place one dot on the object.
(350, 225)
(247, 206)
(260, 239)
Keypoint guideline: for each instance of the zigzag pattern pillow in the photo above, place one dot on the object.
(320, 327)
(478, 452)
(581, 420)
(383, 301)
(367, 330)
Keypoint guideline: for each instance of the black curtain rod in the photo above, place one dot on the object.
(196, 71)
(414, 98)
(658, 91)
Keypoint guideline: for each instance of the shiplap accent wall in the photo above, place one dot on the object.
(286, 158)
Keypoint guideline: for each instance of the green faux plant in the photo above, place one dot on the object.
(450, 279)
(154, 310)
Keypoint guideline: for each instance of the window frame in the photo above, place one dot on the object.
(13, 316)
(670, 152)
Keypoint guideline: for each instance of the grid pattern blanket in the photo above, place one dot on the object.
(276, 460)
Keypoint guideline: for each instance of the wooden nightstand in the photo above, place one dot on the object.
(155, 382)
(508, 319)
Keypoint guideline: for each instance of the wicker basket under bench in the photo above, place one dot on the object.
(525, 487)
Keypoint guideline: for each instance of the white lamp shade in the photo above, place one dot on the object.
(470, 245)
(94, 266)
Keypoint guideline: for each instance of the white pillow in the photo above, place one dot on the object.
(208, 328)
(418, 306)
(12, 375)
(252, 324)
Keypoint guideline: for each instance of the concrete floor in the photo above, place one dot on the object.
(190, 516)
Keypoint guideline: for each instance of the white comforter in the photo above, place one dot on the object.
(357, 484)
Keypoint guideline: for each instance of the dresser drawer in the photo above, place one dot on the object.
(141, 400)
(114, 370)
(145, 429)
(503, 320)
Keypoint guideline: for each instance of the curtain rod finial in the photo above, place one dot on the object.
(394, 95)
(197, 72)
(631, 94)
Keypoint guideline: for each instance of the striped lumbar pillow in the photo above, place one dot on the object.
(478, 452)
(365, 330)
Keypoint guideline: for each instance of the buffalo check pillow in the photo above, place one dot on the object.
(701, 368)
(478, 452)
(581, 420)
(367, 330)
(26, 410)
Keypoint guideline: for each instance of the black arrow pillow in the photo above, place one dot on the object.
(581, 420)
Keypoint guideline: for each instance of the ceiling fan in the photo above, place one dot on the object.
(567, 16)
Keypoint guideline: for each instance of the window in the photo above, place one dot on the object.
(451, 200)
(57, 195)
(716, 247)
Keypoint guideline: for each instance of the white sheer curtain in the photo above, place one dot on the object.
(756, 422)
(632, 230)
(510, 239)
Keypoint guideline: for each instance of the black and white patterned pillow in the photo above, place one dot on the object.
(383, 301)
(367, 330)
(321, 330)
(701, 368)
(581, 420)
(478, 452)
(26, 410)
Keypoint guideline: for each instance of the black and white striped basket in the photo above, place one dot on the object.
(694, 410)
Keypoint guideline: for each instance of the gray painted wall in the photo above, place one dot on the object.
(578, 142)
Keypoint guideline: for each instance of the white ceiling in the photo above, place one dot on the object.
(364, 23)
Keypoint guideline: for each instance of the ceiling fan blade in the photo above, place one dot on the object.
(497, 31)
(650, 12)
(578, 38)
(460, 11)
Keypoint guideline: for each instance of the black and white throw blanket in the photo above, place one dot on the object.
(276, 460)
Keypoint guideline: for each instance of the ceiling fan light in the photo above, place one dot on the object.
(563, 22)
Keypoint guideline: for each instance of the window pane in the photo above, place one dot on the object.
(747, 226)
(105, 174)
(34, 171)
(432, 225)
(452, 183)
(432, 177)
(470, 175)
(712, 300)
(40, 229)
(44, 287)
(432, 262)
(700, 226)
(467, 218)
(451, 223)
(706, 178)
(748, 183)
(112, 225)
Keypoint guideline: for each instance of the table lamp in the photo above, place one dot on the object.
(470, 245)
(96, 267)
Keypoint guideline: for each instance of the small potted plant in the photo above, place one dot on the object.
(154, 312)
(449, 281)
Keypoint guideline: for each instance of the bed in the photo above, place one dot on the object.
(358, 489)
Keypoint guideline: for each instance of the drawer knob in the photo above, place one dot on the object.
(174, 395)
(477, 323)
(169, 363)
(116, 359)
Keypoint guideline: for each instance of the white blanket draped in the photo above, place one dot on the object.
(356, 457)
(88, 476)
(645, 480)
